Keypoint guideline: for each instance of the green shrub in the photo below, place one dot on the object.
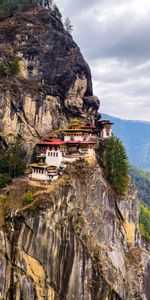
(116, 165)
(44, 17)
(145, 222)
(4, 180)
(15, 66)
(2, 69)
(9, 7)
(12, 161)
(28, 198)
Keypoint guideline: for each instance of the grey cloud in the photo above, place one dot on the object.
(115, 41)
(122, 36)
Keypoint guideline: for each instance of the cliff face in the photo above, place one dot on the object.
(76, 241)
(54, 84)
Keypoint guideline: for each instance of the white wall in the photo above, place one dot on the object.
(80, 137)
(75, 138)
(39, 176)
(53, 158)
(104, 133)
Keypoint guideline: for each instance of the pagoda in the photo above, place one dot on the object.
(78, 141)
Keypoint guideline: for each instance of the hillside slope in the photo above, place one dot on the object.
(136, 138)
(142, 181)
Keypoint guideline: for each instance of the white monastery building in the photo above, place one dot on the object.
(79, 140)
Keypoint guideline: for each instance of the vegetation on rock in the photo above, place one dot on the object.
(28, 198)
(2, 69)
(145, 222)
(142, 181)
(15, 66)
(4, 180)
(12, 161)
(68, 26)
(9, 67)
(115, 163)
(9, 7)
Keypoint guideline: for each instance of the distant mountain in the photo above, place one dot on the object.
(142, 181)
(136, 138)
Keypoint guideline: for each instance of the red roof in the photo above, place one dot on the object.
(52, 142)
(56, 142)
(80, 142)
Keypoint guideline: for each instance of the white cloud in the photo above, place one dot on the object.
(114, 39)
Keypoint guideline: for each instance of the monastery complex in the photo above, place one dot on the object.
(78, 141)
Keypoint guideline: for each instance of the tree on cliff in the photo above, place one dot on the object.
(9, 7)
(116, 165)
(145, 222)
(68, 26)
(46, 3)
(56, 12)
(12, 161)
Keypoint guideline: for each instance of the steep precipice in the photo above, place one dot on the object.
(76, 241)
(54, 84)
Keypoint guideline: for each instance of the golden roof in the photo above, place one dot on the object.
(76, 125)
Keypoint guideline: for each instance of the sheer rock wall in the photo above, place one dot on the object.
(76, 241)
(54, 84)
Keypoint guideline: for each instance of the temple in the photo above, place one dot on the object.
(78, 141)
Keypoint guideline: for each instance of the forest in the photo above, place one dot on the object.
(142, 182)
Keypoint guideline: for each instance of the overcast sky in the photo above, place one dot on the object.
(114, 37)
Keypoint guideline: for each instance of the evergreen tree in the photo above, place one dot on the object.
(56, 12)
(12, 161)
(145, 222)
(2, 69)
(46, 3)
(9, 7)
(68, 26)
(15, 66)
(116, 165)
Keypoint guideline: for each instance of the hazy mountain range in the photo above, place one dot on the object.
(136, 138)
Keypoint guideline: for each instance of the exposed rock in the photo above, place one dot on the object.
(74, 243)
(54, 84)
(77, 240)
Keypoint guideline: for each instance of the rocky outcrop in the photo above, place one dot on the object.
(54, 84)
(76, 241)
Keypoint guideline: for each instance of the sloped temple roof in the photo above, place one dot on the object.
(52, 142)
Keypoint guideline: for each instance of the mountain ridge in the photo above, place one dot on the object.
(136, 138)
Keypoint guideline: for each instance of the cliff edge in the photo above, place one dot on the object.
(77, 240)
(54, 83)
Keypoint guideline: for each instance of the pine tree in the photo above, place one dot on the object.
(56, 12)
(15, 66)
(116, 165)
(12, 161)
(68, 26)
(46, 3)
(2, 69)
